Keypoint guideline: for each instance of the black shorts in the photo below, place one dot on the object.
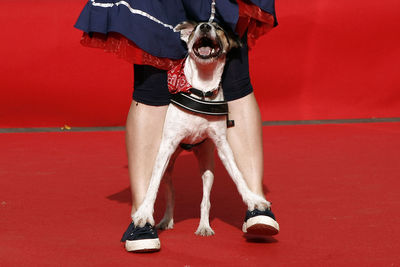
(151, 88)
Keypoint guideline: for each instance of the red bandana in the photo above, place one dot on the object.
(176, 79)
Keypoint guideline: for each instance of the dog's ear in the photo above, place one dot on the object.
(234, 40)
(185, 28)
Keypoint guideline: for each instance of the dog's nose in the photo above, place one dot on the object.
(205, 27)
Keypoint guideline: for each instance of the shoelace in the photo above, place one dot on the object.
(138, 231)
(256, 212)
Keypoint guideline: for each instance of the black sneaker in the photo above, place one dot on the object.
(259, 222)
(141, 239)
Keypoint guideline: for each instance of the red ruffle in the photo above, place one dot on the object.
(254, 20)
(126, 49)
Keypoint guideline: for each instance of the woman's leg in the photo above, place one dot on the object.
(144, 127)
(143, 136)
(246, 140)
(246, 137)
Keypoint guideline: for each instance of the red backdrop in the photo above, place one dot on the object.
(326, 60)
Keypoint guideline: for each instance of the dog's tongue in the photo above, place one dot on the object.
(204, 50)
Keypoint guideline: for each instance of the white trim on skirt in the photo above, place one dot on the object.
(133, 11)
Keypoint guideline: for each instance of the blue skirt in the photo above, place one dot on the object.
(149, 24)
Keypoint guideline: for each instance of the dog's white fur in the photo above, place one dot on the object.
(182, 126)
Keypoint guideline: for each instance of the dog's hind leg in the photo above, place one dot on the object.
(225, 153)
(167, 222)
(205, 156)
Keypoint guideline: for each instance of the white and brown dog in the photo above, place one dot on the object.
(207, 45)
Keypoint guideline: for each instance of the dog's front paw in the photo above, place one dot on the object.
(141, 217)
(204, 231)
(166, 224)
(257, 202)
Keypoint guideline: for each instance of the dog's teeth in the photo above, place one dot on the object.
(213, 51)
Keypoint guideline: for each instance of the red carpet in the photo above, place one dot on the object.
(64, 201)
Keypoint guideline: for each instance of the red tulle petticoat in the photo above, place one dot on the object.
(251, 18)
(254, 20)
(126, 49)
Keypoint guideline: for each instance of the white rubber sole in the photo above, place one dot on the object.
(261, 225)
(143, 245)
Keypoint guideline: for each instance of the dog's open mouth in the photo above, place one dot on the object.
(206, 48)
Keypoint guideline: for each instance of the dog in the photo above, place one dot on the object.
(208, 45)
